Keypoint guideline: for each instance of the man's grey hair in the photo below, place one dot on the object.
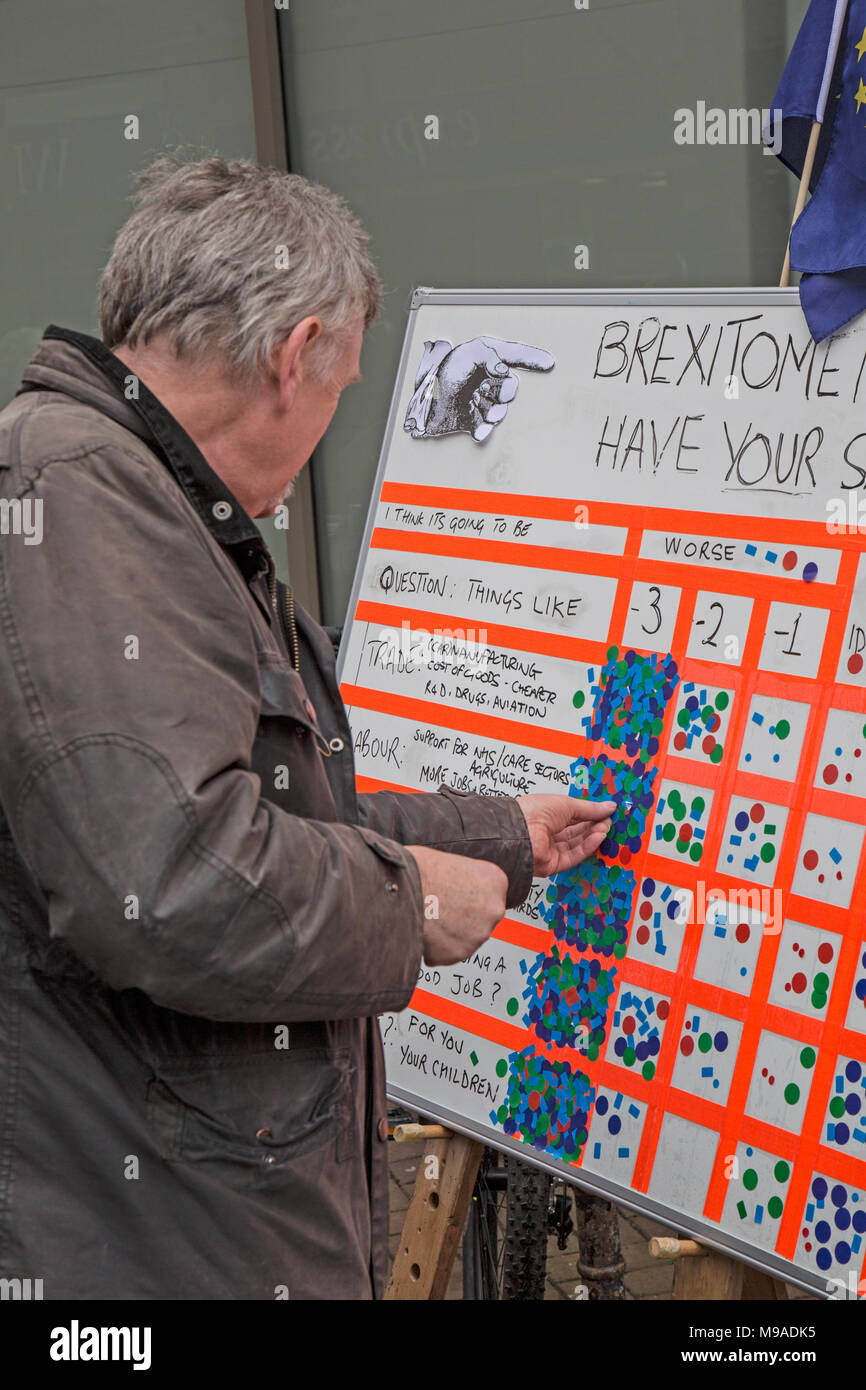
(226, 259)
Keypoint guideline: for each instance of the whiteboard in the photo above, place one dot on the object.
(615, 548)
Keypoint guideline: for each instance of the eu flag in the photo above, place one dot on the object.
(828, 242)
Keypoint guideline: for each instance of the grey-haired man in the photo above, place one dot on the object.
(200, 918)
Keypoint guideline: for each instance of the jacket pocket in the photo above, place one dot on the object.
(254, 1113)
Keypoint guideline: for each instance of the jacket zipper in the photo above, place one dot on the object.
(285, 614)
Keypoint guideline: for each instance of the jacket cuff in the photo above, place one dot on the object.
(402, 922)
(497, 829)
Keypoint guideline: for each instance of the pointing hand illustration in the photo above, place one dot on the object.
(467, 389)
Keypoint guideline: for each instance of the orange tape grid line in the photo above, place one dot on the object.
(558, 559)
(712, 524)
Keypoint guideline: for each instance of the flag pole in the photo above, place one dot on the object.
(812, 150)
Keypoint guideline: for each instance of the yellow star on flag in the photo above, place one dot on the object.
(860, 95)
(861, 46)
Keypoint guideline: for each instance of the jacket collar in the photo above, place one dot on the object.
(91, 373)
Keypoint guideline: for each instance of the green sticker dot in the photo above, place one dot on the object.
(717, 754)
(592, 1052)
(501, 1067)
(512, 1006)
(750, 1180)
(612, 653)
(775, 1207)
(781, 1172)
(818, 1000)
(721, 700)
(648, 1071)
(707, 713)
(620, 950)
(808, 1057)
(792, 1094)
(679, 811)
(698, 805)
(837, 1107)
(629, 1057)
(696, 852)
(502, 1114)
(683, 719)
(783, 729)
(768, 853)
(579, 700)
(669, 832)
(821, 983)
(705, 1042)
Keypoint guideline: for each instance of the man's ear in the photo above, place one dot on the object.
(289, 360)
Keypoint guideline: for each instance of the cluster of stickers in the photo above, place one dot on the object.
(649, 975)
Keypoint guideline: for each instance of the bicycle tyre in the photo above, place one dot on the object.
(524, 1265)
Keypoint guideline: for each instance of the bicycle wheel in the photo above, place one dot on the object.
(505, 1243)
(527, 1226)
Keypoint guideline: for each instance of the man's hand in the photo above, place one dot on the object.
(564, 830)
(469, 899)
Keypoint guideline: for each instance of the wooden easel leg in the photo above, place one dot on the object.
(760, 1287)
(435, 1219)
(702, 1274)
(710, 1277)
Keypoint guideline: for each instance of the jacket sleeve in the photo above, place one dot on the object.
(481, 827)
(130, 676)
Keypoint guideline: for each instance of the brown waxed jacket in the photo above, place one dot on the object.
(199, 917)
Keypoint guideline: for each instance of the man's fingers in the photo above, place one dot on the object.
(573, 811)
(575, 834)
(522, 355)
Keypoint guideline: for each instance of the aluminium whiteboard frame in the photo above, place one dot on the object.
(644, 1205)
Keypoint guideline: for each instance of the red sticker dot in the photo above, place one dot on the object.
(825, 953)
(663, 1008)
(798, 984)
(830, 773)
(789, 561)
(810, 859)
(743, 933)
(757, 813)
